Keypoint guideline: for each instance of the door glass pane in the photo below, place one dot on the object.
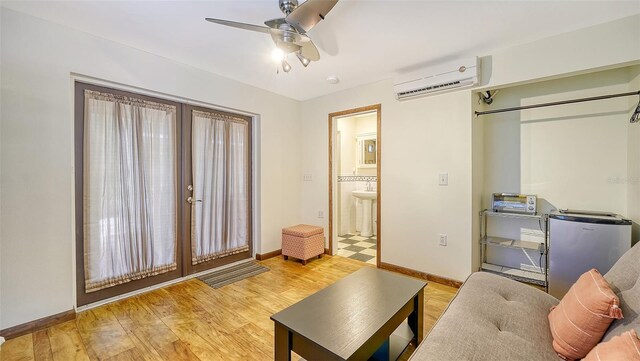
(130, 172)
(220, 164)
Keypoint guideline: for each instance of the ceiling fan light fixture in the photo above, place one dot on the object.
(277, 55)
(290, 33)
(302, 59)
(285, 66)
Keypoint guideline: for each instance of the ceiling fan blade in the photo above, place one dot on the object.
(275, 23)
(307, 15)
(326, 40)
(258, 28)
(310, 51)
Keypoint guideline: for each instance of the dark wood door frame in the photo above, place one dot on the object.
(83, 298)
(187, 174)
(342, 114)
(183, 249)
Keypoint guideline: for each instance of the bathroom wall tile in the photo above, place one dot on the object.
(357, 178)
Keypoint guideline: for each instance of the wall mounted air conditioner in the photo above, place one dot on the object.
(438, 79)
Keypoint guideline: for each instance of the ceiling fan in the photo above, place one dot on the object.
(290, 33)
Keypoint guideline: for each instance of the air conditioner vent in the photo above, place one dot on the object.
(437, 79)
(429, 88)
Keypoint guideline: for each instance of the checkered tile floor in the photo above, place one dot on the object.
(356, 247)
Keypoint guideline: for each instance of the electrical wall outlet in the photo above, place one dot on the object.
(307, 178)
(443, 239)
(443, 179)
(320, 214)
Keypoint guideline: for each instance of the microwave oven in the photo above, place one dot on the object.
(514, 203)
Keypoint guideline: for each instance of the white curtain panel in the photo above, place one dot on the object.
(220, 165)
(130, 175)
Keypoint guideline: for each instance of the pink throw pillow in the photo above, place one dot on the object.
(625, 347)
(583, 316)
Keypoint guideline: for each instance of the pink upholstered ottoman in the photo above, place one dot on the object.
(302, 242)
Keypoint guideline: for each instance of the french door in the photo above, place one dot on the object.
(217, 178)
(163, 189)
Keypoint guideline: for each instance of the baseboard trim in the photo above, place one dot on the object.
(418, 274)
(262, 257)
(277, 252)
(37, 325)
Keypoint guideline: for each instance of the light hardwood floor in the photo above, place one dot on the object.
(192, 321)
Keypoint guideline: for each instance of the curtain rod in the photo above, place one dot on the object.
(558, 103)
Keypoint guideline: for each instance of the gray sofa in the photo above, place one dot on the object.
(494, 318)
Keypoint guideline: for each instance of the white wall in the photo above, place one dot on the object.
(36, 183)
(633, 157)
(366, 124)
(414, 208)
(574, 156)
(477, 174)
(347, 129)
(346, 208)
(347, 155)
(607, 45)
(350, 128)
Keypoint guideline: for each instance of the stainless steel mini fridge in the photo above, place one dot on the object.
(582, 240)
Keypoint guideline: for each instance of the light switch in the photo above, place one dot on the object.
(443, 239)
(443, 179)
(307, 178)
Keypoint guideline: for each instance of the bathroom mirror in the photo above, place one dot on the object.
(367, 150)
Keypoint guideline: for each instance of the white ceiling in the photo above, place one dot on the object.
(360, 41)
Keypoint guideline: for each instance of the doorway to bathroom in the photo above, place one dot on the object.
(354, 183)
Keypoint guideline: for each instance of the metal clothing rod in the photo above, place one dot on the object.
(558, 103)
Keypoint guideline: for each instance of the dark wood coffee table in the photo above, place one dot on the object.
(352, 318)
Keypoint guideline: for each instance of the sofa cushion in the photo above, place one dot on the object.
(624, 347)
(492, 318)
(583, 316)
(624, 278)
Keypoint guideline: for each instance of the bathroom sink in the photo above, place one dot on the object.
(364, 194)
(366, 200)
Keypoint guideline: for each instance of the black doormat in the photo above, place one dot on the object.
(229, 275)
